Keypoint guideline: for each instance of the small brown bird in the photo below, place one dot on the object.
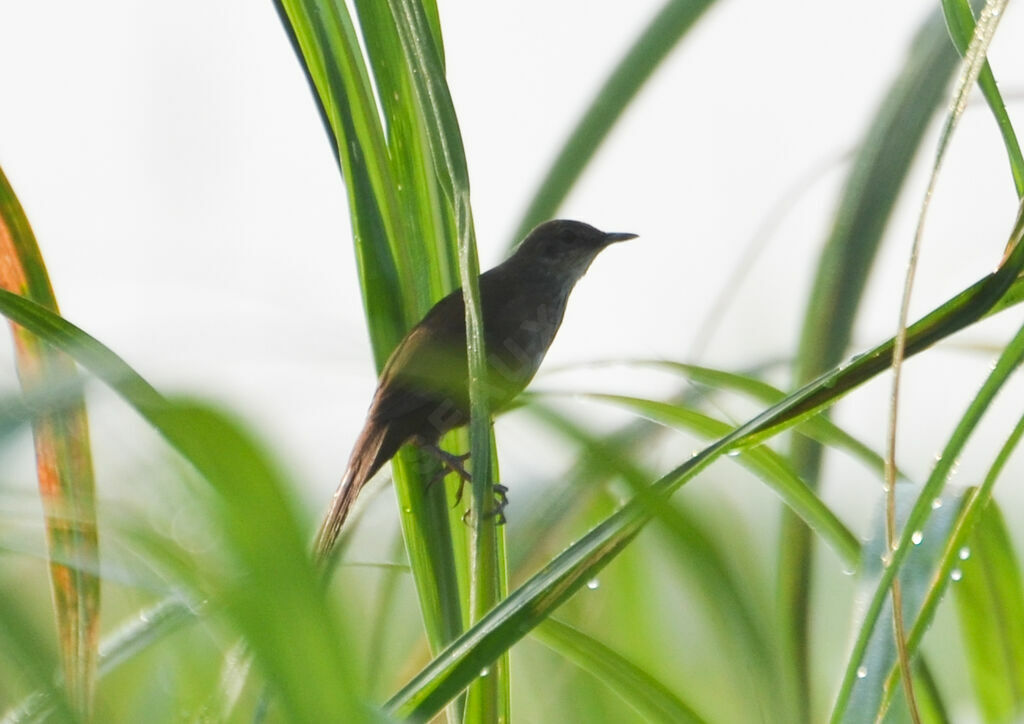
(423, 390)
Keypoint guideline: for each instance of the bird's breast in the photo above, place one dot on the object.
(519, 330)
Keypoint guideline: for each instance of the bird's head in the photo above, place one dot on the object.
(565, 247)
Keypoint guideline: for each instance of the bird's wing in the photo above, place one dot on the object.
(428, 366)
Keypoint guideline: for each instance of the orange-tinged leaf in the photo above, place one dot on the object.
(63, 461)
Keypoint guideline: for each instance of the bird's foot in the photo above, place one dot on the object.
(498, 511)
(450, 463)
(500, 503)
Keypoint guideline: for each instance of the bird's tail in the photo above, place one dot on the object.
(368, 455)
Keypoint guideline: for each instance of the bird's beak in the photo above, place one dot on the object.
(617, 236)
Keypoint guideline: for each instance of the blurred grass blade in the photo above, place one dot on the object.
(960, 22)
(262, 528)
(651, 47)
(301, 654)
(951, 559)
(63, 462)
(489, 696)
(819, 428)
(926, 549)
(990, 604)
(732, 607)
(764, 462)
(652, 699)
(118, 647)
(879, 170)
(27, 653)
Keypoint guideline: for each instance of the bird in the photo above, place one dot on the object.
(423, 390)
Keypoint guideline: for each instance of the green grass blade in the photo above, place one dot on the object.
(24, 646)
(951, 559)
(990, 604)
(764, 462)
(652, 699)
(819, 428)
(732, 608)
(63, 462)
(388, 248)
(331, 55)
(525, 607)
(423, 200)
(263, 530)
(126, 641)
(1011, 358)
(275, 598)
(960, 22)
(869, 196)
(488, 699)
(915, 579)
(652, 46)
(972, 65)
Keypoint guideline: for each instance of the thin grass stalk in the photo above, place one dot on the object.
(974, 61)
(869, 197)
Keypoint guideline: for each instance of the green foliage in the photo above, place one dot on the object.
(644, 602)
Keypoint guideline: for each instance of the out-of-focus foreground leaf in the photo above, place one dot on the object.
(638, 688)
(764, 462)
(63, 461)
(990, 603)
(263, 534)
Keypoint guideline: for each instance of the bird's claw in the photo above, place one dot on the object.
(498, 511)
(501, 502)
(450, 463)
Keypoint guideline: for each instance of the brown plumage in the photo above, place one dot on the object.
(423, 390)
